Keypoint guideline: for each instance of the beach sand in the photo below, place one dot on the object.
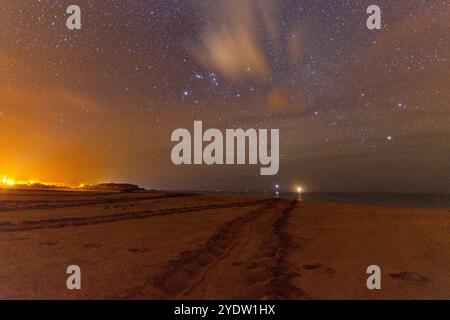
(158, 245)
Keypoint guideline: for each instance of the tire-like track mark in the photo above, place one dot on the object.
(43, 204)
(181, 271)
(245, 259)
(84, 221)
(280, 285)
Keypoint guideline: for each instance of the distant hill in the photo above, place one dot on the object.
(114, 187)
(121, 187)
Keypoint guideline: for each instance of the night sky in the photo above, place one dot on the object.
(358, 110)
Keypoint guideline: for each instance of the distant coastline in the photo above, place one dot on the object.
(381, 199)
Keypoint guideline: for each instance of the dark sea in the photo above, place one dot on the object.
(396, 200)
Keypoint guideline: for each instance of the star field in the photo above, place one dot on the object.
(358, 109)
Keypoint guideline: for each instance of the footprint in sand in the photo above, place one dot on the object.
(312, 266)
(92, 246)
(49, 243)
(246, 264)
(139, 250)
(409, 276)
(315, 266)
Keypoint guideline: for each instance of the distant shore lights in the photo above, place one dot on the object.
(7, 182)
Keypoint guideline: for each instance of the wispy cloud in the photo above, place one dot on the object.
(239, 36)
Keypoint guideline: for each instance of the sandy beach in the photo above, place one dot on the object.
(159, 245)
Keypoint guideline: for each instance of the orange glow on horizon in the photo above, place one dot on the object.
(11, 183)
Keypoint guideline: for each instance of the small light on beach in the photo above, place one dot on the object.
(277, 192)
(299, 193)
